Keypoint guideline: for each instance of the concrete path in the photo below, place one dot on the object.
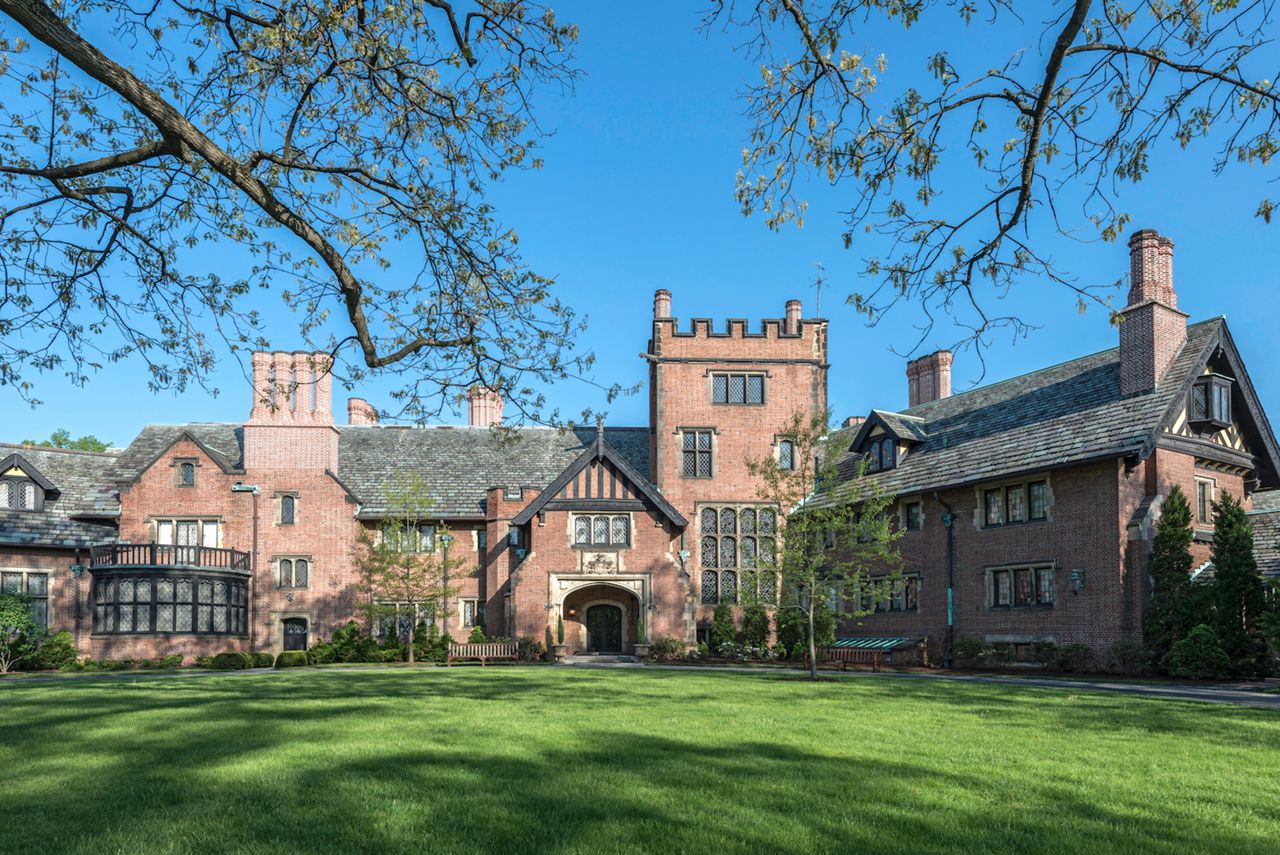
(1236, 694)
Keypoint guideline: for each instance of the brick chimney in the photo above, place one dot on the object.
(791, 326)
(661, 304)
(853, 421)
(292, 388)
(929, 378)
(484, 407)
(361, 412)
(1152, 329)
(290, 426)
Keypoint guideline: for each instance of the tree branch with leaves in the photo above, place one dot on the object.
(345, 147)
(955, 187)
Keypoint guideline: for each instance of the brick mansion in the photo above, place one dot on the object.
(1028, 506)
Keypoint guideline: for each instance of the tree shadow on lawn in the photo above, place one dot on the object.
(283, 763)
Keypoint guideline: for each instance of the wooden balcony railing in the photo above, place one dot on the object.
(164, 555)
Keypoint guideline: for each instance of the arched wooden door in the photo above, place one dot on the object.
(295, 633)
(604, 628)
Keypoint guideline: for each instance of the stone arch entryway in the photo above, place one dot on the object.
(601, 618)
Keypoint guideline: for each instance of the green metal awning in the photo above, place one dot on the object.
(878, 643)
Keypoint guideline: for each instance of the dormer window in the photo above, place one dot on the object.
(881, 454)
(1211, 402)
(19, 494)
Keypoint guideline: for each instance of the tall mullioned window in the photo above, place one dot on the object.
(736, 539)
(160, 604)
(601, 530)
(35, 586)
(696, 453)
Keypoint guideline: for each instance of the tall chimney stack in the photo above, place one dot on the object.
(1152, 328)
(661, 304)
(484, 407)
(792, 324)
(929, 378)
(361, 412)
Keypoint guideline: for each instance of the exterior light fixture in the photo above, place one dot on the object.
(446, 539)
(77, 569)
(521, 552)
(242, 487)
(1077, 581)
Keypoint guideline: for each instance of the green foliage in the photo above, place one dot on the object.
(321, 653)
(666, 649)
(1171, 613)
(1129, 657)
(1044, 653)
(476, 637)
(232, 660)
(292, 659)
(352, 645)
(799, 651)
(824, 625)
(61, 438)
(1239, 600)
(723, 629)
(970, 651)
(559, 629)
(57, 652)
(703, 650)
(20, 638)
(1076, 659)
(755, 626)
(204, 661)
(530, 649)
(789, 627)
(261, 659)
(1198, 656)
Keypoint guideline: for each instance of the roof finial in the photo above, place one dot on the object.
(600, 432)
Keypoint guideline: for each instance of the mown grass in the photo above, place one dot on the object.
(560, 760)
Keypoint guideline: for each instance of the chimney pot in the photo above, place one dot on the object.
(361, 412)
(484, 407)
(792, 324)
(929, 378)
(853, 421)
(661, 304)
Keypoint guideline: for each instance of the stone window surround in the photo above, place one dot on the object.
(37, 571)
(680, 432)
(177, 463)
(903, 502)
(710, 377)
(980, 495)
(277, 503)
(275, 572)
(1207, 518)
(988, 579)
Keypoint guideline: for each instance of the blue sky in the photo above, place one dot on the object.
(637, 194)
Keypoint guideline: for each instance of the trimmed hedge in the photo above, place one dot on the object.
(292, 659)
(231, 660)
(262, 660)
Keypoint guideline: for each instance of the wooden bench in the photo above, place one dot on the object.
(483, 653)
(857, 655)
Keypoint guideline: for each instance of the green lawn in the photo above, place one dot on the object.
(547, 759)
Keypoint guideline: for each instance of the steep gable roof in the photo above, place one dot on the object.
(601, 450)
(900, 425)
(223, 443)
(18, 461)
(1066, 414)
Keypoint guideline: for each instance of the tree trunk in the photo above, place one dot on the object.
(413, 628)
(813, 646)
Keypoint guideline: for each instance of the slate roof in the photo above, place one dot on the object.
(80, 514)
(1265, 518)
(1065, 414)
(460, 463)
(224, 443)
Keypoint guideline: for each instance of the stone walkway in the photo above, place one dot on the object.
(1252, 694)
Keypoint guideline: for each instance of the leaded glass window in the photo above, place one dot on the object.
(163, 605)
(1015, 503)
(786, 455)
(709, 521)
(187, 474)
(737, 388)
(602, 530)
(1038, 499)
(709, 588)
(748, 556)
(710, 552)
(768, 552)
(696, 451)
(18, 494)
(768, 521)
(728, 552)
(287, 507)
(747, 520)
(729, 521)
(728, 586)
(35, 586)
